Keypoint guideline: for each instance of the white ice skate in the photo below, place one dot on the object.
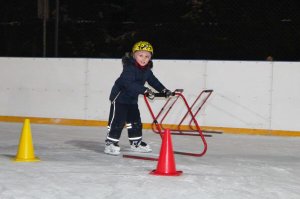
(112, 149)
(141, 147)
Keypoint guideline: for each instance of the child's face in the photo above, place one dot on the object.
(142, 57)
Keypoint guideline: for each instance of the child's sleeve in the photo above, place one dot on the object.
(155, 83)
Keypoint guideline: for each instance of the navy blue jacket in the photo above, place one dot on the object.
(131, 82)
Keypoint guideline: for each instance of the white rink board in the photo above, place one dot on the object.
(241, 94)
(101, 75)
(286, 96)
(255, 95)
(51, 88)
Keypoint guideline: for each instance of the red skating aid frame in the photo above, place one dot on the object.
(158, 127)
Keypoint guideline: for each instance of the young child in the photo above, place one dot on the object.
(124, 99)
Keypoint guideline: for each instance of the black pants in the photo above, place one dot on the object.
(121, 114)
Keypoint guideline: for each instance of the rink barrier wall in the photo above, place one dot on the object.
(251, 97)
(78, 122)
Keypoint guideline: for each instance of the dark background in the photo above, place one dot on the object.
(178, 29)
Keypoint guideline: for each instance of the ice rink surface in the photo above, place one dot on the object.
(73, 165)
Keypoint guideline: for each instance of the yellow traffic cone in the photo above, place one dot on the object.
(25, 151)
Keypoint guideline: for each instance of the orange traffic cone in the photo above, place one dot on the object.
(166, 162)
(25, 151)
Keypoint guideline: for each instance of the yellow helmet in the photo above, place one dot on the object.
(142, 45)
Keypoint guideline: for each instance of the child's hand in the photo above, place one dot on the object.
(167, 92)
(149, 93)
